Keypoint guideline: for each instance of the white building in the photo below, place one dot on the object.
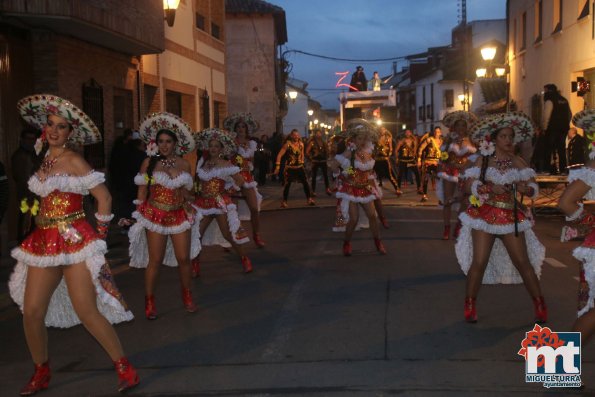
(297, 108)
(550, 41)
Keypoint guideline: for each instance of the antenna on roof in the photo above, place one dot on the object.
(462, 8)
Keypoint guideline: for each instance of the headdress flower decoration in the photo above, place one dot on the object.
(227, 141)
(232, 120)
(519, 122)
(486, 146)
(154, 122)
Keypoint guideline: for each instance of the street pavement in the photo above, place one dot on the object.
(309, 321)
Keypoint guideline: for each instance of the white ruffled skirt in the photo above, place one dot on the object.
(587, 257)
(138, 250)
(213, 235)
(243, 209)
(61, 313)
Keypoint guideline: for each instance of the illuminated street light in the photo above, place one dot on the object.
(379, 122)
(316, 121)
(292, 95)
(170, 7)
(488, 53)
(310, 112)
(481, 72)
(500, 72)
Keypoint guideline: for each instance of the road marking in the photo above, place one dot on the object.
(554, 263)
(285, 324)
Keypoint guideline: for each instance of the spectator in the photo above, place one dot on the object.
(576, 149)
(262, 159)
(358, 80)
(118, 181)
(23, 162)
(134, 153)
(556, 119)
(375, 83)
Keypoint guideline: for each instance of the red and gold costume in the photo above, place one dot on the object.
(214, 199)
(586, 251)
(244, 159)
(165, 212)
(494, 214)
(358, 183)
(64, 237)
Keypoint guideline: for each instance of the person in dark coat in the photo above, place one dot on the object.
(576, 149)
(359, 82)
(556, 120)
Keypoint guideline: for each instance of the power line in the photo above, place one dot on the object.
(343, 59)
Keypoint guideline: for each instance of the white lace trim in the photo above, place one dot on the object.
(138, 250)
(500, 269)
(346, 163)
(587, 256)
(447, 177)
(157, 228)
(493, 175)
(66, 183)
(250, 185)
(184, 179)
(461, 151)
(222, 173)
(535, 187)
(104, 218)
(60, 311)
(576, 214)
(587, 175)
(247, 153)
(94, 248)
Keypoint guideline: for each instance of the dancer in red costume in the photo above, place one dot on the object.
(244, 126)
(457, 152)
(582, 185)
(359, 185)
(62, 278)
(496, 243)
(164, 208)
(216, 176)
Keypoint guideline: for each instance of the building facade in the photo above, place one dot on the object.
(550, 41)
(255, 76)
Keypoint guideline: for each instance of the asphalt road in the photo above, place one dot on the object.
(309, 321)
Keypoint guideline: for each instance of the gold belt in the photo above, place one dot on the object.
(46, 223)
(165, 207)
(501, 204)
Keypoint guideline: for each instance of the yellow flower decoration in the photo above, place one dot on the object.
(149, 180)
(239, 160)
(444, 156)
(34, 209)
(350, 171)
(475, 201)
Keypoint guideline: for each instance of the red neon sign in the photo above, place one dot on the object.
(340, 84)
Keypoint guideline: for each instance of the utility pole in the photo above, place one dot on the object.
(463, 23)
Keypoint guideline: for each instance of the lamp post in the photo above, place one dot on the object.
(170, 7)
(292, 95)
(488, 54)
(464, 98)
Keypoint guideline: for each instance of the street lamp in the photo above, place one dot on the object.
(500, 71)
(292, 95)
(310, 112)
(170, 7)
(481, 72)
(464, 99)
(488, 53)
(315, 121)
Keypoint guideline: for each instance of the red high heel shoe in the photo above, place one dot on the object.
(39, 381)
(470, 310)
(150, 311)
(446, 233)
(127, 376)
(540, 310)
(195, 268)
(246, 264)
(257, 240)
(189, 304)
(380, 246)
(384, 222)
(347, 248)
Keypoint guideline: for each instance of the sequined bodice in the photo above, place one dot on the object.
(406, 151)
(163, 195)
(212, 187)
(294, 156)
(59, 204)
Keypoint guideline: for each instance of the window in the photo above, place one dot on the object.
(583, 8)
(429, 112)
(215, 30)
(524, 31)
(173, 102)
(449, 98)
(421, 113)
(557, 16)
(200, 21)
(538, 20)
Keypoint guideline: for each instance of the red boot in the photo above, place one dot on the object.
(195, 267)
(189, 304)
(39, 381)
(457, 231)
(127, 376)
(257, 240)
(380, 246)
(347, 248)
(540, 310)
(246, 264)
(150, 311)
(446, 233)
(470, 310)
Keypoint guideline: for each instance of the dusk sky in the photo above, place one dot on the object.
(370, 29)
